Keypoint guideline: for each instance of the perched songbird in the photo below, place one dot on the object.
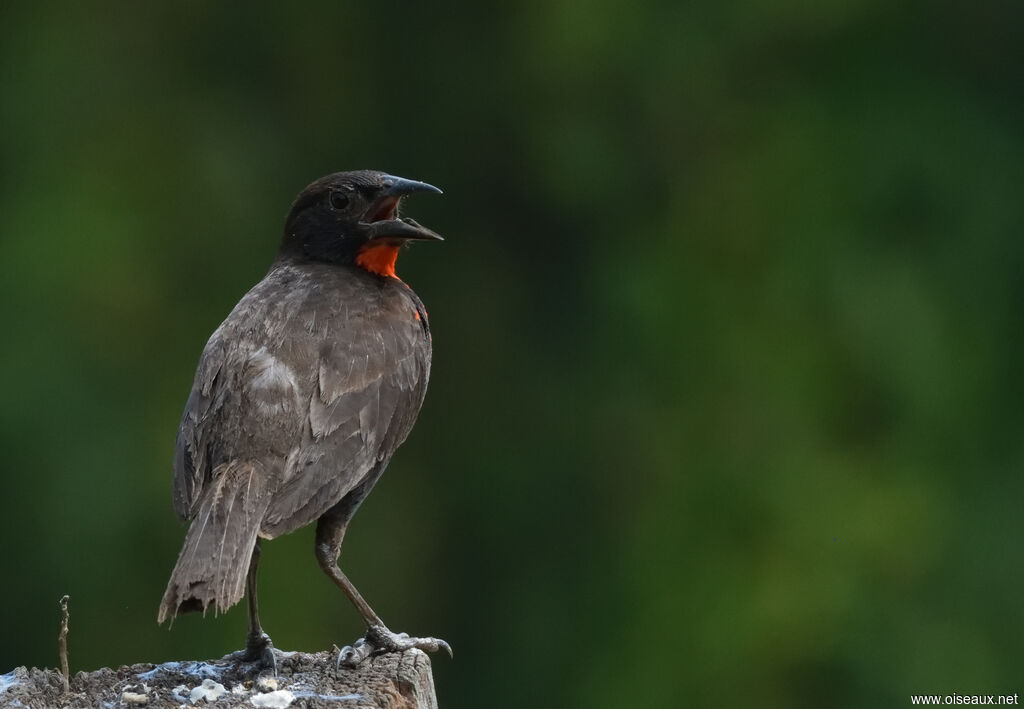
(300, 398)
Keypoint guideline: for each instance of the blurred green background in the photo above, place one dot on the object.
(726, 399)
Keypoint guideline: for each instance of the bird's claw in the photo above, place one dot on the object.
(259, 650)
(379, 639)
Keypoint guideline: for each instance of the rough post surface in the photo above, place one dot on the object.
(392, 681)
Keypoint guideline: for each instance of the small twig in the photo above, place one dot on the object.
(62, 642)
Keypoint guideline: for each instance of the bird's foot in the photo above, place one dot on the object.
(259, 650)
(379, 639)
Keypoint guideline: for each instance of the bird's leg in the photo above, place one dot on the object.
(258, 646)
(329, 533)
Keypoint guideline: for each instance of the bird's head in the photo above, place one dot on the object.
(352, 217)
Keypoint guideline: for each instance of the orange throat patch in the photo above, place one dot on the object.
(379, 259)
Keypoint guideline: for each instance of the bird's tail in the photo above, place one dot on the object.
(214, 560)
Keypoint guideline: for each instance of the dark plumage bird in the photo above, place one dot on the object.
(300, 398)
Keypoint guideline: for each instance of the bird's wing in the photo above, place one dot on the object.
(247, 401)
(370, 379)
(190, 449)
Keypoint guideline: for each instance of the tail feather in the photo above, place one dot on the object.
(214, 560)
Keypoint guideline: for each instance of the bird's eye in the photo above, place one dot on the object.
(339, 200)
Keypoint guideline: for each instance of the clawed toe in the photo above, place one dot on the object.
(379, 640)
(259, 650)
(442, 645)
(352, 655)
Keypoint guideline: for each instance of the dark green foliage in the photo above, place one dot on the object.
(726, 399)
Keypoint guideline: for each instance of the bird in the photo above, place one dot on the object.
(300, 398)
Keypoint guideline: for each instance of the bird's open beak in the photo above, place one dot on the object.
(382, 217)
